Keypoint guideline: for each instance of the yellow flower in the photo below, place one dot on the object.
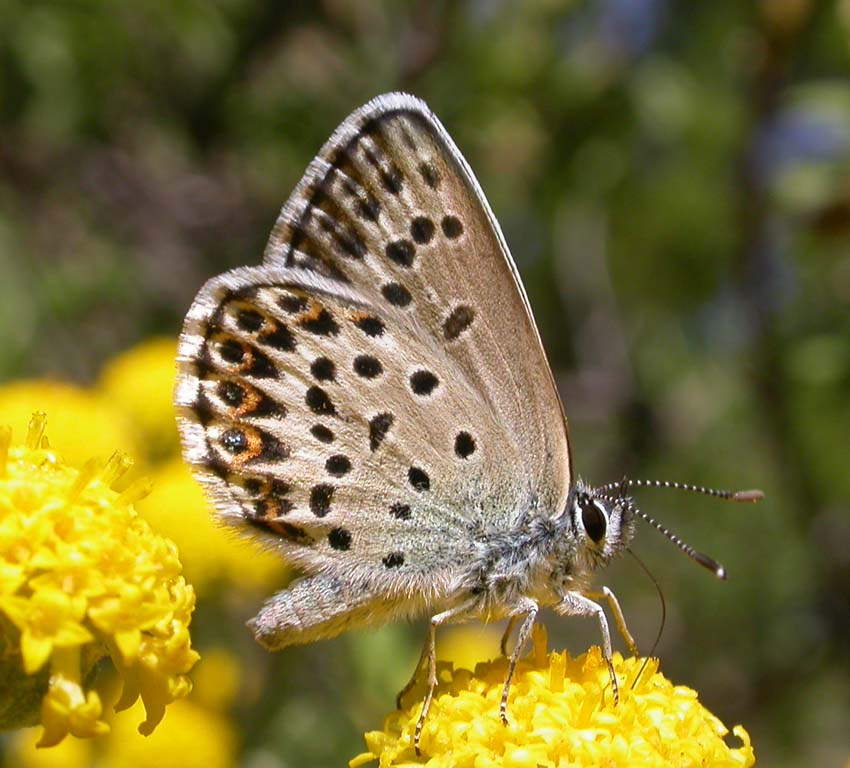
(67, 708)
(215, 684)
(210, 552)
(140, 383)
(83, 423)
(560, 713)
(71, 753)
(46, 619)
(465, 644)
(83, 576)
(190, 737)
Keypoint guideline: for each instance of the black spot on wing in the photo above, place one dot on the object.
(320, 499)
(422, 230)
(234, 441)
(379, 426)
(429, 174)
(393, 560)
(249, 320)
(458, 321)
(241, 399)
(396, 294)
(231, 392)
(279, 338)
(322, 433)
(452, 227)
(464, 445)
(278, 487)
(319, 402)
(323, 369)
(271, 448)
(235, 355)
(338, 465)
(402, 252)
(260, 366)
(371, 326)
(320, 323)
(292, 304)
(263, 405)
(419, 479)
(253, 486)
(340, 539)
(423, 382)
(231, 351)
(367, 366)
(400, 511)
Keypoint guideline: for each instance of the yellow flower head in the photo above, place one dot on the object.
(81, 421)
(212, 554)
(140, 384)
(190, 737)
(560, 713)
(83, 576)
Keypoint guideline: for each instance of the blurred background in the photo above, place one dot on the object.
(674, 179)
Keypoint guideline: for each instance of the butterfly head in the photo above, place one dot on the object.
(602, 522)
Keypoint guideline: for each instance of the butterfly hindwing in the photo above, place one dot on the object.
(317, 418)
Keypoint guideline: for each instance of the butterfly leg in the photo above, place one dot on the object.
(430, 650)
(577, 604)
(530, 608)
(618, 616)
(503, 645)
(417, 669)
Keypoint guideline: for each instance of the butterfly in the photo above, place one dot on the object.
(374, 400)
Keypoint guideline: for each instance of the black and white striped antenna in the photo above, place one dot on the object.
(749, 496)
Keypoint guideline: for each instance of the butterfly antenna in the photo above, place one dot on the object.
(704, 560)
(652, 578)
(750, 496)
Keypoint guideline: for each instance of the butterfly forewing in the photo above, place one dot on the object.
(375, 393)
(391, 204)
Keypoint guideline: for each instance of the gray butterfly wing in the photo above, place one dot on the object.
(391, 206)
(376, 392)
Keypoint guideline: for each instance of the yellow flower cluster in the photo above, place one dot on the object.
(560, 713)
(83, 576)
(191, 736)
(195, 733)
(211, 554)
(131, 409)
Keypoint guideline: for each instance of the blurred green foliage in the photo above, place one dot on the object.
(674, 181)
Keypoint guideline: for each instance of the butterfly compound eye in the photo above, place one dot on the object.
(594, 521)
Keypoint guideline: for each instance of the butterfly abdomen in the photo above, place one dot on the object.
(311, 608)
(324, 605)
